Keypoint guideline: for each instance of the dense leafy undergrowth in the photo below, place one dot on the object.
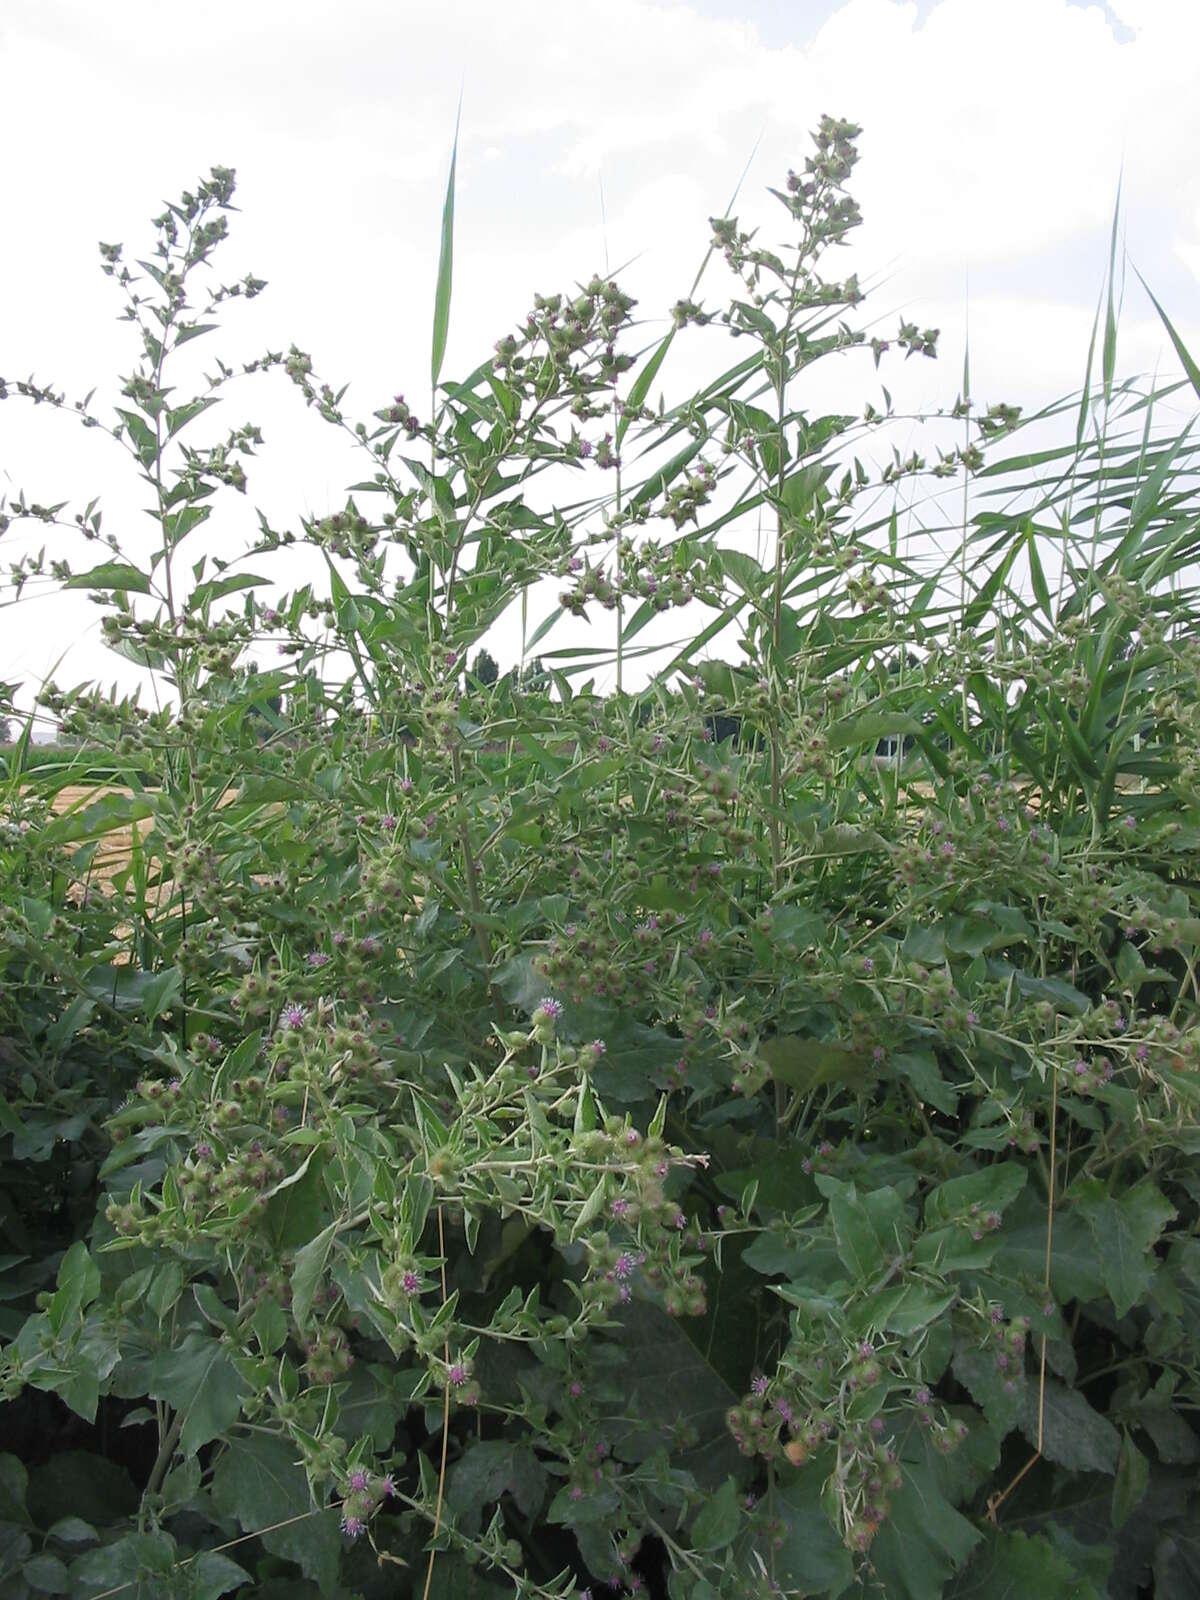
(730, 1138)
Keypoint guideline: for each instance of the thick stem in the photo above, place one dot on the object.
(471, 873)
(165, 1454)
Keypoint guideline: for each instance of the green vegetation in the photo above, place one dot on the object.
(497, 1138)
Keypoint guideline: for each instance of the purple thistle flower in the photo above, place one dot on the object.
(387, 822)
(625, 1264)
(457, 1374)
(387, 1486)
(359, 1480)
(759, 1385)
(548, 1010)
(292, 1015)
(410, 1282)
(352, 1527)
(317, 958)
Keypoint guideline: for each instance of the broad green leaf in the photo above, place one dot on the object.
(1133, 1478)
(805, 1064)
(308, 1270)
(78, 1285)
(1017, 1566)
(213, 1575)
(47, 1574)
(992, 1189)
(811, 1559)
(215, 588)
(719, 1519)
(486, 1470)
(923, 1541)
(860, 1250)
(111, 575)
(14, 1484)
(136, 1561)
(258, 1482)
(920, 1069)
(97, 1490)
(296, 1206)
(1074, 1435)
(668, 1383)
(870, 728)
(1125, 1231)
(199, 1379)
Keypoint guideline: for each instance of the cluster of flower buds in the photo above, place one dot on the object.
(327, 1352)
(810, 755)
(1007, 1344)
(684, 499)
(577, 333)
(345, 533)
(685, 312)
(591, 583)
(669, 576)
(589, 960)
(399, 414)
(312, 1049)
(362, 1495)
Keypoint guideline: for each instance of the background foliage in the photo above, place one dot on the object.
(731, 1137)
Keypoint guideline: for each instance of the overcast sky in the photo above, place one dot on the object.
(994, 137)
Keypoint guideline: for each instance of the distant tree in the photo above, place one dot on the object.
(535, 678)
(486, 671)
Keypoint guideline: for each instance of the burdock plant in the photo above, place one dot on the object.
(729, 1136)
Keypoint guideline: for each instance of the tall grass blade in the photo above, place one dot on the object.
(441, 303)
(1181, 350)
(1110, 314)
(1085, 398)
